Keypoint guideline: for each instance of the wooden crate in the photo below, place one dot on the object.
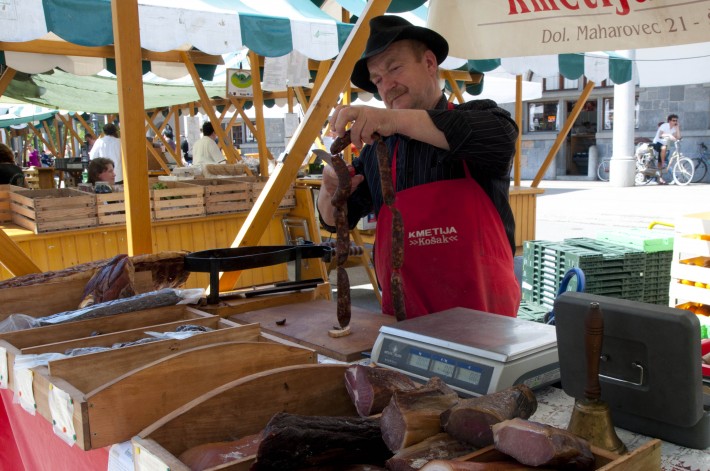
(116, 393)
(53, 210)
(258, 184)
(177, 200)
(225, 195)
(111, 208)
(306, 390)
(5, 212)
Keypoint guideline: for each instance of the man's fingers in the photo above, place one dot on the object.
(355, 181)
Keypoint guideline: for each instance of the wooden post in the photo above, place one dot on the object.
(563, 133)
(6, 78)
(519, 122)
(258, 99)
(320, 106)
(130, 105)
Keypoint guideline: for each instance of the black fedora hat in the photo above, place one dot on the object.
(384, 30)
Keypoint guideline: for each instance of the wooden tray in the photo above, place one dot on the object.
(53, 210)
(118, 328)
(111, 208)
(242, 407)
(307, 390)
(145, 394)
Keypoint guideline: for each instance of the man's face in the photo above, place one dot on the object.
(402, 81)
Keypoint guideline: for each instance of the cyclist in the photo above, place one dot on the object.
(667, 132)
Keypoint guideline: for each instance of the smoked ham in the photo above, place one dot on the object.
(413, 415)
(371, 388)
(450, 465)
(112, 281)
(536, 444)
(210, 455)
(471, 419)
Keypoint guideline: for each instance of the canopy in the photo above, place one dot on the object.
(269, 28)
(18, 116)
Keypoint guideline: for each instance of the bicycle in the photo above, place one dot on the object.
(701, 163)
(680, 169)
(603, 169)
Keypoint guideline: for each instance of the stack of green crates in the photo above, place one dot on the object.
(610, 269)
(658, 247)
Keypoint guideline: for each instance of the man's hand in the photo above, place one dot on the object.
(328, 188)
(366, 120)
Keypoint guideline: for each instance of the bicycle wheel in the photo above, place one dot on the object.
(641, 178)
(683, 171)
(701, 168)
(603, 170)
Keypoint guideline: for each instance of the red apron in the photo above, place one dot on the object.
(456, 252)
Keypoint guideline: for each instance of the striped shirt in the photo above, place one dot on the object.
(478, 132)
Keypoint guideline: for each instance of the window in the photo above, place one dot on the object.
(557, 82)
(609, 114)
(543, 116)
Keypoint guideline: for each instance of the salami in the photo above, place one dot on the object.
(339, 201)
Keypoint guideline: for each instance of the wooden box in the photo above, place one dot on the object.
(176, 200)
(258, 184)
(114, 394)
(53, 210)
(111, 208)
(307, 390)
(5, 213)
(225, 195)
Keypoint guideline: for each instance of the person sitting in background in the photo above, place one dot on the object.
(101, 169)
(185, 147)
(168, 134)
(33, 159)
(205, 150)
(109, 146)
(10, 172)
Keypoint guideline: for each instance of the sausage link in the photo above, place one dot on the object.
(397, 288)
(397, 239)
(344, 303)
(340, 143)
(383, 161)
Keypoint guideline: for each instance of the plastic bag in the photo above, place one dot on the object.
(15, 322)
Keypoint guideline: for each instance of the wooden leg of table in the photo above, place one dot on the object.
(366, 261)
(14, 259)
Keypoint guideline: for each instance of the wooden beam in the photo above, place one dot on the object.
(6, 78)
(455, 90)
(129, 76)
(87, 126)
(563, 133)
(301, 97)
(39, 135)
(14, 259)
(227, 147)
(176, 136)
(63, 48)
(259, 115)
(298, 147)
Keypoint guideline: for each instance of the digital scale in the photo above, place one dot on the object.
(473, 352)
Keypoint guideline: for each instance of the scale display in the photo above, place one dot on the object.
(475, 353)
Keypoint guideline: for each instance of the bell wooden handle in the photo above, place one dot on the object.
(594, 332)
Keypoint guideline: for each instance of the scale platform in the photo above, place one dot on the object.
(474, 352)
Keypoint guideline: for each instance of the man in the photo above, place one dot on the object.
(109, 146)
(205, 150)
(451, 166)
(668, 131)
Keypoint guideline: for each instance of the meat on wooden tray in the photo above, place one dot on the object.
(536, 444)
(414, 415)
(371, 388)
(209, 455)
(296, 441)
(471, 419)
(450, 465)
(115, 280)
(439, 446)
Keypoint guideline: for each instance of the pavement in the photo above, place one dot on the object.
(570, 208)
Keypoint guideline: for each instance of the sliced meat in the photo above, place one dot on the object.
(371, 388)
(439, 446)
(450, 465)
(470, 420)
(536, 444)
(413, 415)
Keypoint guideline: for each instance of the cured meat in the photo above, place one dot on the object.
(351, 467)
(297, 441)
(371, 388)
(164, 297)
(470, 420)
(413, 415)
(536, 444)
(439, 446)
(112, 281)
(209, 455)
(167, 268)
(449, 465)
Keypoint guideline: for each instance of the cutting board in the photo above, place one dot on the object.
(308, 324)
